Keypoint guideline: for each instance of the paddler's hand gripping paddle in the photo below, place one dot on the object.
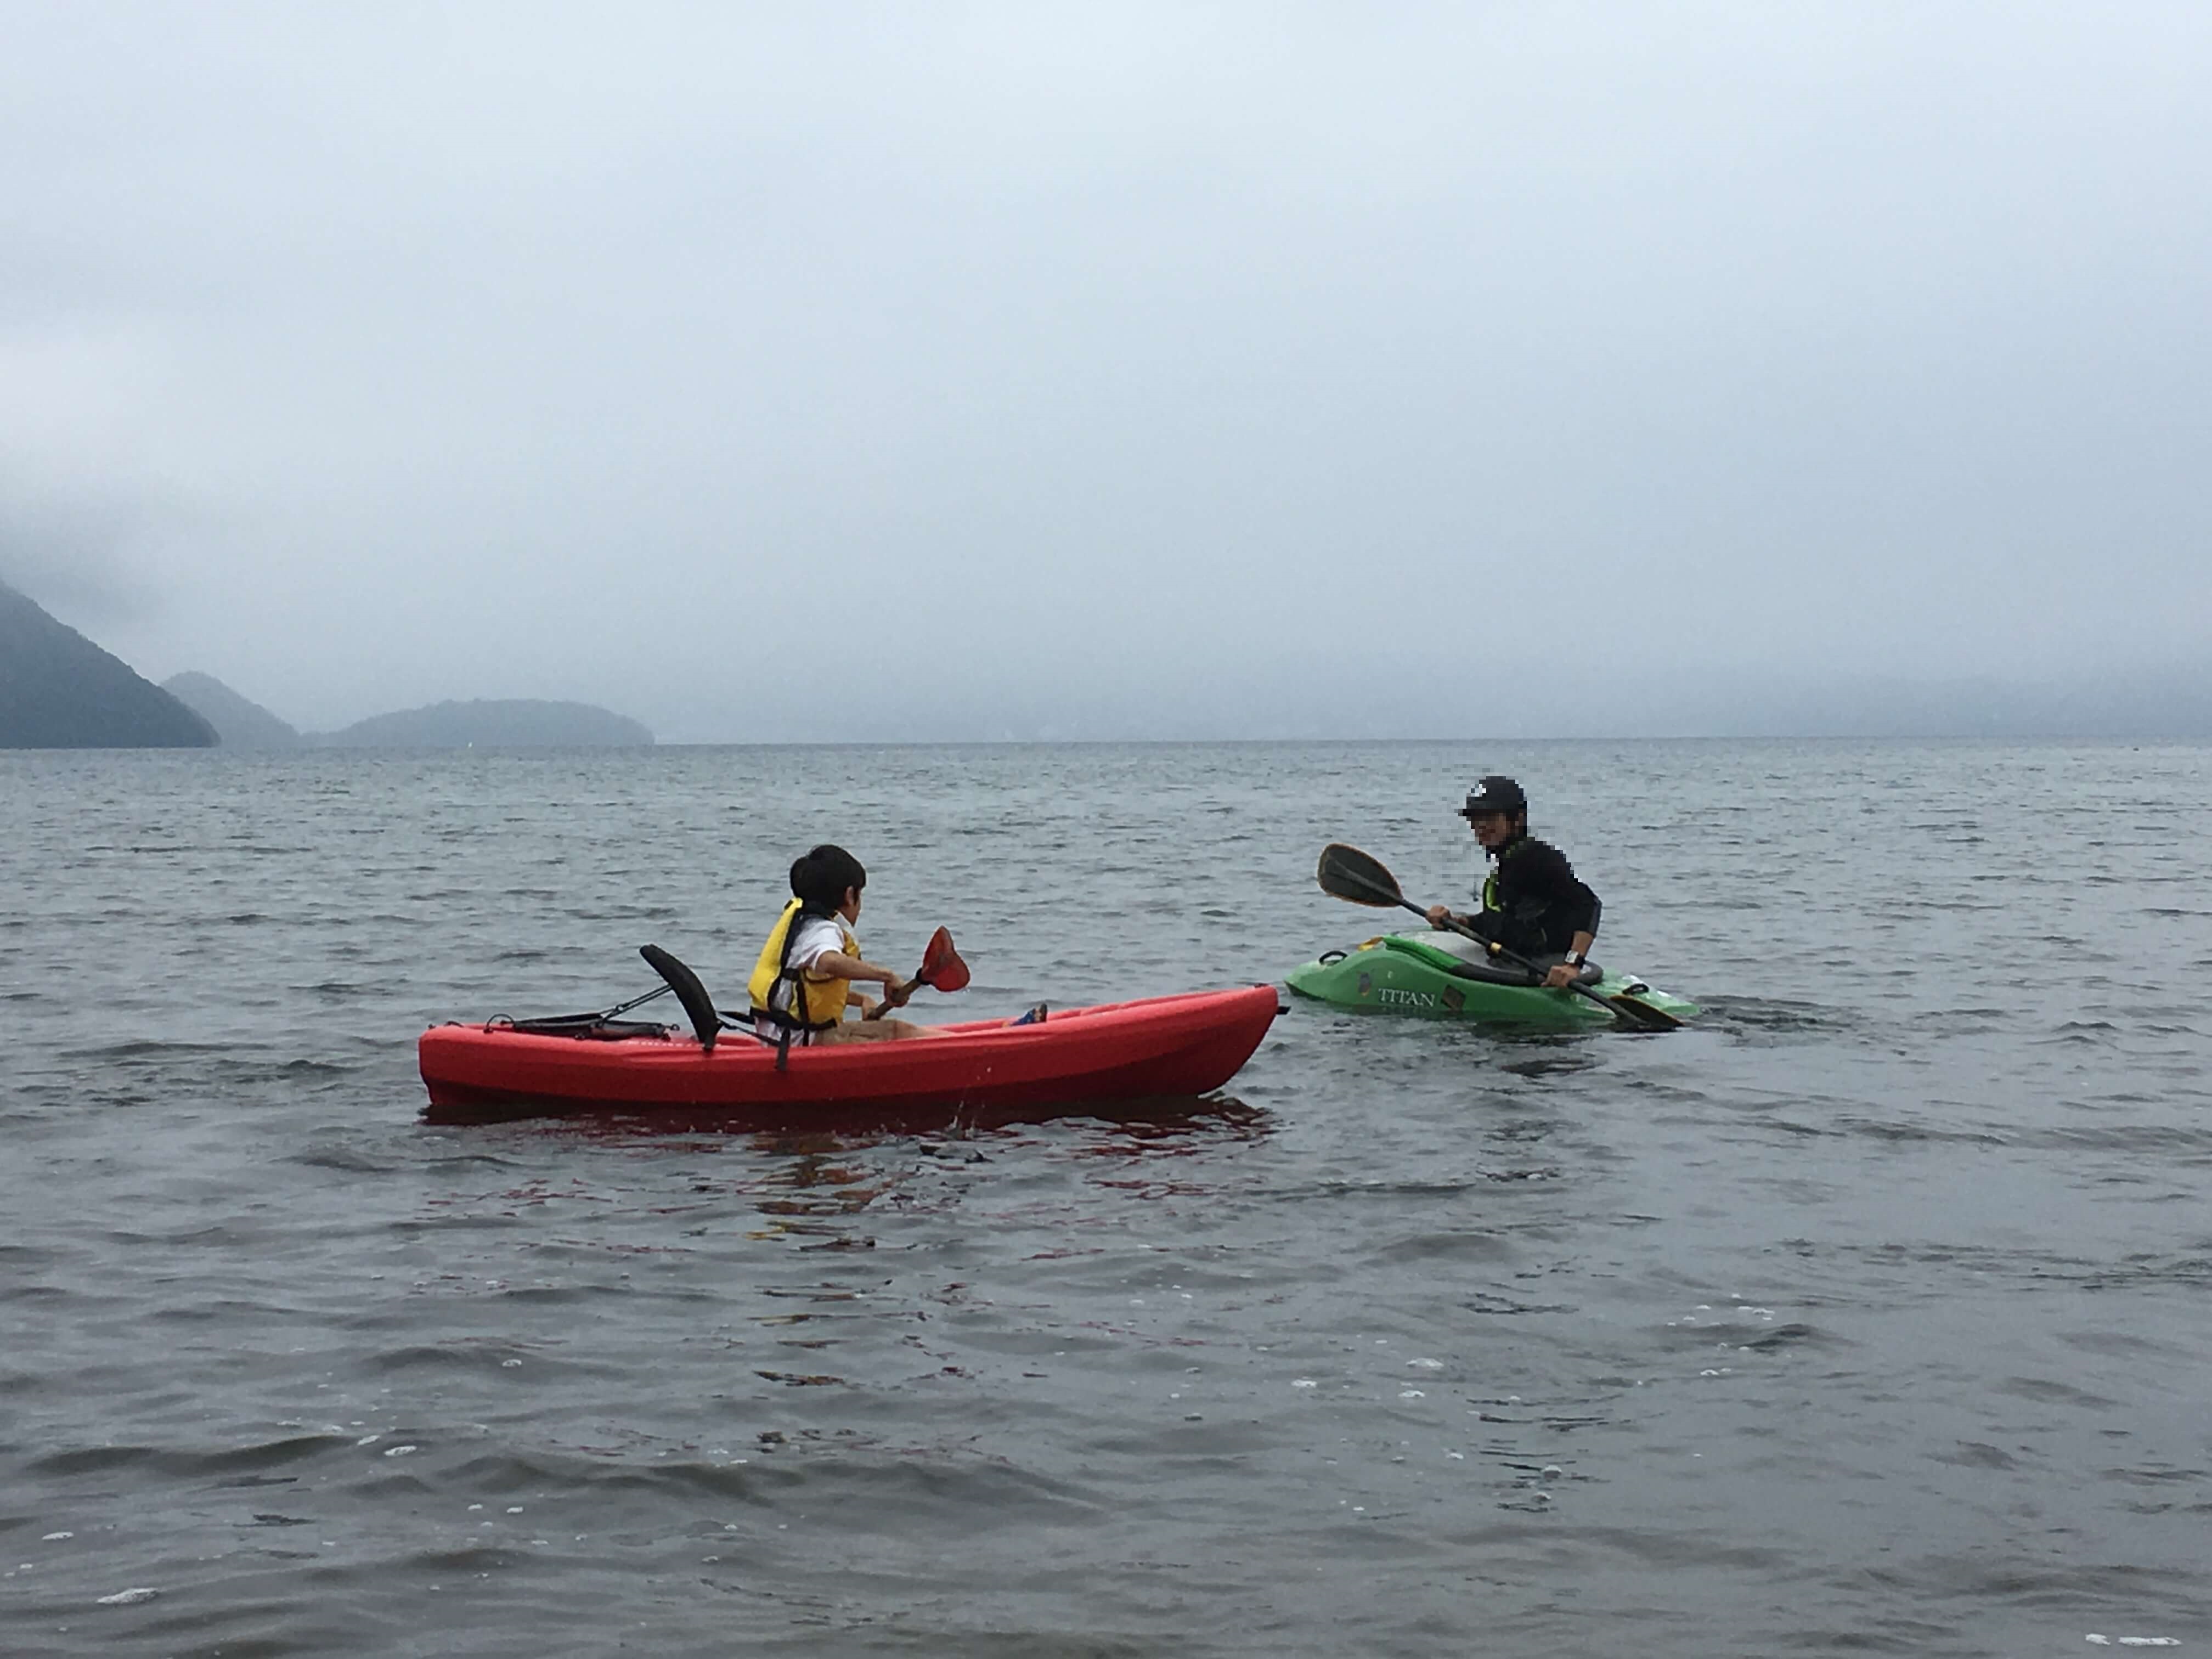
(941, 969)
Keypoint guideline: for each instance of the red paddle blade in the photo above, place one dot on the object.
(941, 966)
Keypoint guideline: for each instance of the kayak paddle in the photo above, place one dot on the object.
(1346, 873)
(941, 969)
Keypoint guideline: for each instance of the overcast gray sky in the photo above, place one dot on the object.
(963, 371)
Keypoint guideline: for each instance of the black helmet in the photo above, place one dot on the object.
(1494, 794)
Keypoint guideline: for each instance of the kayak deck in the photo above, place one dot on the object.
(1159, 1046)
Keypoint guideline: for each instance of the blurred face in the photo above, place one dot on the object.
(1491, 829)
(850, 909)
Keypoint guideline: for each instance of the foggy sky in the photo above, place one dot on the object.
(970, 371)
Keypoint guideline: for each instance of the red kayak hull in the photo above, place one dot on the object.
(1162, 1046)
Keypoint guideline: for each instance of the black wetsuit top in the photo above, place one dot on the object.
(1532, 903)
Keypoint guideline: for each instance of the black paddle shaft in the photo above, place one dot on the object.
(1456, 926)
(1345, 869)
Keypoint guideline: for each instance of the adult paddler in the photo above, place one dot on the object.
(1531, 903)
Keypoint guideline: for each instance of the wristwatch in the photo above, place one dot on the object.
(1574, 959)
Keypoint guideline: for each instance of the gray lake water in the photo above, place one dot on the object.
(1868, 1315)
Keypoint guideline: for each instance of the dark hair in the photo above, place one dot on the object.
(819, 879)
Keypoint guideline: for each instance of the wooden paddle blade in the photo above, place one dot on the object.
(941, 966)
(1346, 873)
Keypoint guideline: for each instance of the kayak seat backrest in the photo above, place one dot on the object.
(706, 1024)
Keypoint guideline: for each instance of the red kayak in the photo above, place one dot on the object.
(1179, 1045)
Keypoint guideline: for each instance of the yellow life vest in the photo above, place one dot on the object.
(819, 1004)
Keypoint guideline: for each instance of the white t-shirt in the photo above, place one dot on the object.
(812, 938)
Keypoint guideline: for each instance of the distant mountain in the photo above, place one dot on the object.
(512, 723)
(239, 723)
(59, 691)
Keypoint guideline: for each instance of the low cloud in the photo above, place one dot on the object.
(1179, 374)
(78, 558)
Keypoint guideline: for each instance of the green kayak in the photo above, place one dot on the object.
(1442, 976)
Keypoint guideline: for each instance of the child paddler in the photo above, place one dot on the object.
(803, 983)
